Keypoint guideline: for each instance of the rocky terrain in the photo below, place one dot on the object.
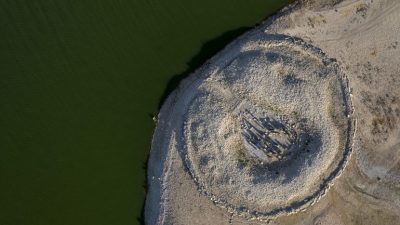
(295, 122)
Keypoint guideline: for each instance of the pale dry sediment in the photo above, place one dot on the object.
(265, 127)
(274, 77)
(277, 77)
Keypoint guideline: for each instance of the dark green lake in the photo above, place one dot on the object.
(78, 82)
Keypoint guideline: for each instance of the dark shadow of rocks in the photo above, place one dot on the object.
(209, 49)
(306, 153)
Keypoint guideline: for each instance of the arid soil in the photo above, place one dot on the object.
(295, 122)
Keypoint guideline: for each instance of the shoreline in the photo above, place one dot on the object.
(164, 164)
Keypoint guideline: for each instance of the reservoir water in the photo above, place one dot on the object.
(79, 84)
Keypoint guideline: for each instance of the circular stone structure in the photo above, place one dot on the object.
(265, 126)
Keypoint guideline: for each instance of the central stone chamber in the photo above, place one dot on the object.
(266, 137)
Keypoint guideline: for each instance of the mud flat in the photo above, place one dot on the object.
(295, 122)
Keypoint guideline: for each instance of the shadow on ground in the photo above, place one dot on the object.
(209, 49)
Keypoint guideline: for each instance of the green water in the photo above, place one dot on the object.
(78, 80)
